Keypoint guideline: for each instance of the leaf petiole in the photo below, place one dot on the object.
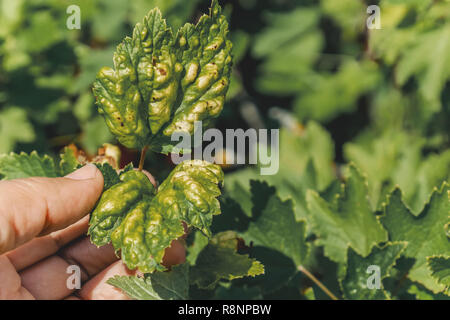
(317, 282)
(142, 158)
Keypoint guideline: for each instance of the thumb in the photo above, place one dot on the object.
(37, 206)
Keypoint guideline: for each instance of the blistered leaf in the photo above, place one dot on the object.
(331, 94)
(230, 292)
(426, 233)
(312, 144)
(142, 223)
(124, 107)
(348, 221)
(161, 84)
(422, 293)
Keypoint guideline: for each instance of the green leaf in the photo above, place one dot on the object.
(200, 241)
(348, 221)
(169, 285)
(110, 176)
(68, 162)
(230, 292)
(176, 11)
(220, 260)
(314, 144)
(279, 269)
(117, 90)
(122, 195)
(14, 166)
(284, 29)
(110, 16)
(142, 223)
(14, 127)
(43, 32)
(396, 158)
(440, 269)
(273, 224)
(426, 233)
(421, 293)
(205, 54)
(431, 71)
(409, 29)
(162, 84)
(192, 189)
(95, 133)
(290, 45)
(349, 15)
(354, 284)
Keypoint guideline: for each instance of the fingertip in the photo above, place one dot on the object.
(37, 206)
(88, 171)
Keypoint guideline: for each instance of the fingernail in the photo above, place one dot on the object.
(87, 172)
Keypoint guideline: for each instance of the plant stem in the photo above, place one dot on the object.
(142, 158)
(317, 282)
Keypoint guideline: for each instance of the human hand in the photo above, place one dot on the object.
(43, 222)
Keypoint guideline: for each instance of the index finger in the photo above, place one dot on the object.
(37, 206)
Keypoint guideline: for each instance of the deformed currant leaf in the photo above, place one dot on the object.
(161, 83)
(142, 223)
